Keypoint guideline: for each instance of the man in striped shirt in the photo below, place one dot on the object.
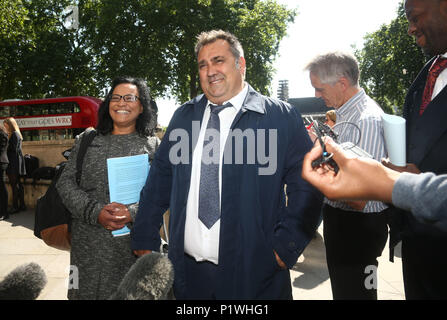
(355, 233)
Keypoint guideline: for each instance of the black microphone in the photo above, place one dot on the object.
(23, 283)
(150, 278)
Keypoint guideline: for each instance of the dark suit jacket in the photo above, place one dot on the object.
(255, 219)
(426, 139)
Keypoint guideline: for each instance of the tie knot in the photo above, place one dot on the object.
(439, 65)
(218, 108)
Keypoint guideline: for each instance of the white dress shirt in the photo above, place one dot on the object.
(200, 242)
(441, 82)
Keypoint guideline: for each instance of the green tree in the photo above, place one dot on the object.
(12, 29)
(155, 39)
(43, 59)
(261, 30)
(389, 62)
(128, 38)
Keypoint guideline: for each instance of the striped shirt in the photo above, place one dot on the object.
(365, 113)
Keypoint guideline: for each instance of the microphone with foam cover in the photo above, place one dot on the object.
(23, 283)
(150, 278)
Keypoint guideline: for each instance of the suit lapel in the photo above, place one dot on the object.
(191, 122)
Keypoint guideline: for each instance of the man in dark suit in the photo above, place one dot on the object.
(423, 246)
(222, 172)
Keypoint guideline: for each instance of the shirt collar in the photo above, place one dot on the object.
(237, 100)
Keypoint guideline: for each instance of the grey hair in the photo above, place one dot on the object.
(211, 36)
(330, 67)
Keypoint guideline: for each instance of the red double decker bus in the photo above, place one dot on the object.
(53, 118)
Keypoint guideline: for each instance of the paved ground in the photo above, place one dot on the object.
(309, 277)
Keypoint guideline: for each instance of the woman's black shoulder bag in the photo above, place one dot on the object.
(52, 221)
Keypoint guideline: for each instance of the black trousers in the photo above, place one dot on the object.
(3, 191)
(424, 264)
(354, 241)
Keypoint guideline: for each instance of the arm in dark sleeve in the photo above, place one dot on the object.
(425, 195)
(299, 219)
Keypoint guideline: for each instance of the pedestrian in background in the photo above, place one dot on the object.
(159, 132)
(16, 167)
(331, 118)
(3, 166)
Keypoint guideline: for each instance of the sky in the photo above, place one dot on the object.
(320, 26)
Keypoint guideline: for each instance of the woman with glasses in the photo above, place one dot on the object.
(126, 123)
(16, 167)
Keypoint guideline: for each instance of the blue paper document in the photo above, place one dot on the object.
(127, 176)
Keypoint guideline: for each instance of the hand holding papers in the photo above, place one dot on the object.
(114, 216)
(127, 176)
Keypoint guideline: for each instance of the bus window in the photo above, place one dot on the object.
(44, 135)
(31, 135)
(4, 112)
(39, 109)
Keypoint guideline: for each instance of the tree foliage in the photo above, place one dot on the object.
(389, 62)
(151, 39)
(43, 59)
(12, 19)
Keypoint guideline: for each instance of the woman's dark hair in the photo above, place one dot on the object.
(146, 121)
